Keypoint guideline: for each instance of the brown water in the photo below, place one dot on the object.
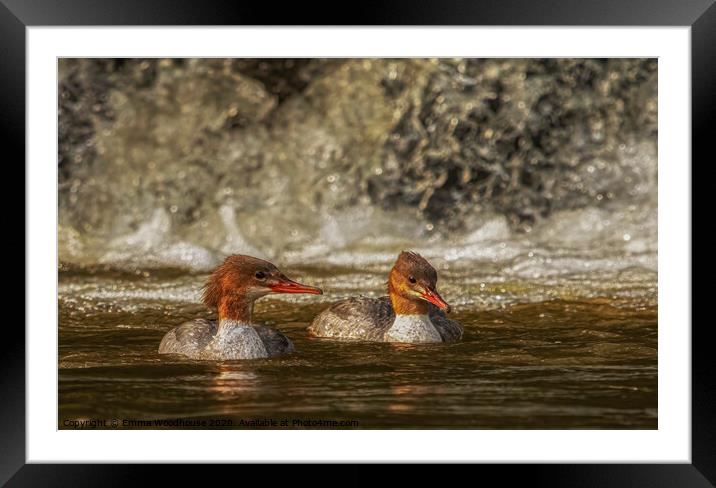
(533, 356)
(531, 186)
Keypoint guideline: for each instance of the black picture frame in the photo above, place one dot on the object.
(700, 15)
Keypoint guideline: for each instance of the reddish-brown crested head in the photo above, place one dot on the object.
(234, 286)
(412, 284)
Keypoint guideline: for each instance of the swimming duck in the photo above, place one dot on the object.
(413, 312)
(232, 290)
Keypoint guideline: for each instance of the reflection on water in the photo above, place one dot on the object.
(531, 186)
(532, 356)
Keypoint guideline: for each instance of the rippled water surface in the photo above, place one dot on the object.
(530, 185)
(535, 354)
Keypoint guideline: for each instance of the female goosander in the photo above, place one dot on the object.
(412, 313)
(232, 289)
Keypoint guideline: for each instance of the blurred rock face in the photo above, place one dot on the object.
(242, 155)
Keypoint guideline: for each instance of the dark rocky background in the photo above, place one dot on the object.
(265, 143)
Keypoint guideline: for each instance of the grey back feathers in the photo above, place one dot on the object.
(198, 339)
(369, 319)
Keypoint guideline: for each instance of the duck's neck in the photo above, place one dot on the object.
(406, 306)
(234, 311)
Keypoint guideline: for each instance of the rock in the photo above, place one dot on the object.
(288, 144)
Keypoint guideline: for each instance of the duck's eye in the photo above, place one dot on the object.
(260, 275)
(412, 279)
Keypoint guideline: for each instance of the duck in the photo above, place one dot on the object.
(231, 290)
(413, 311)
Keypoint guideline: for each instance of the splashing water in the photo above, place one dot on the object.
(529, 185)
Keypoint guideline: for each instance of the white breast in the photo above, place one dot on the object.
(412, 328)
(235, 340)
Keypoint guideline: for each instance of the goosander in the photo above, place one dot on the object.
(413, 311)
(232, 289)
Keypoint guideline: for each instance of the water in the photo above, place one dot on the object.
(529, 184)
(176, 163)
(558, 337)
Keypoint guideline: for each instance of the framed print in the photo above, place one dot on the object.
(450, 227)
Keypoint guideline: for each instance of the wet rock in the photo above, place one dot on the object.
(258, 153)
(523, 137)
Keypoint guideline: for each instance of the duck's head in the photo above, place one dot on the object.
(242, 279)
(413, 282)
